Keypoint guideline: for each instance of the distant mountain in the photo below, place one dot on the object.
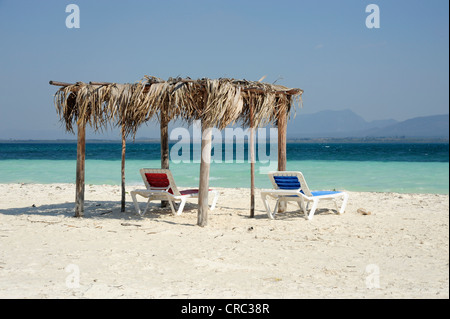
(347, 124)
(343, 123)
(427, 126)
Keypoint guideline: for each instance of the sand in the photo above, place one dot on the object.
(400, 250)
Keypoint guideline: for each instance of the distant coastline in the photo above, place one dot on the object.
(289, 140)
(370, 140)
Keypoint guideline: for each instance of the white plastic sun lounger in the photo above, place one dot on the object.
(160, 185)
(291, 186)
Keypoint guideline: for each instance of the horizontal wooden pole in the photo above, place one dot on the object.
(57, 83)
(147, 86)
(100, 83)
(259, 90)
(60, 83)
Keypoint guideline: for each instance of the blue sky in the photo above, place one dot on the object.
(398, 71)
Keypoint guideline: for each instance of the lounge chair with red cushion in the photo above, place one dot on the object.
(160, 185)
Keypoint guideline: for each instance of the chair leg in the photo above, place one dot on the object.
(146, 207)
(266, 205)
(171, 205)
(313, 209)
(181, 207)
(275, 210)
(344, 204)
(301, 204)
(216, 196)
(136, 204)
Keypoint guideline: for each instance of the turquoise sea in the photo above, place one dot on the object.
(378, 167)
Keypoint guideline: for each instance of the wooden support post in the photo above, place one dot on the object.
(164, 126)
(203, 189)
(252, 164)
(81, 155)
(282, 127)
(122, 209)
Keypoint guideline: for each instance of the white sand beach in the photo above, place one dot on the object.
(400, 250)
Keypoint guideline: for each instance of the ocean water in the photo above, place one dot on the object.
(378, 167)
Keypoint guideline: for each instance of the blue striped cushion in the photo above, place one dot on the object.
(320, 193)
(287, 182)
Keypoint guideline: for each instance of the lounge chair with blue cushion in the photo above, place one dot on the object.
(160, 185)
(291, 186)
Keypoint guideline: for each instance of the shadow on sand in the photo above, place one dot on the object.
(112, 210)
(99, 209)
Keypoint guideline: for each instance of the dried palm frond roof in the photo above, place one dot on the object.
(217, 102)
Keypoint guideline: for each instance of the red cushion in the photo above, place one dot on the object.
(189, 191)
(158, 180)
(161, 180)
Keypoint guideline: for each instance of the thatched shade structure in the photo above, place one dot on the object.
(218, 103)
(215, 102)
